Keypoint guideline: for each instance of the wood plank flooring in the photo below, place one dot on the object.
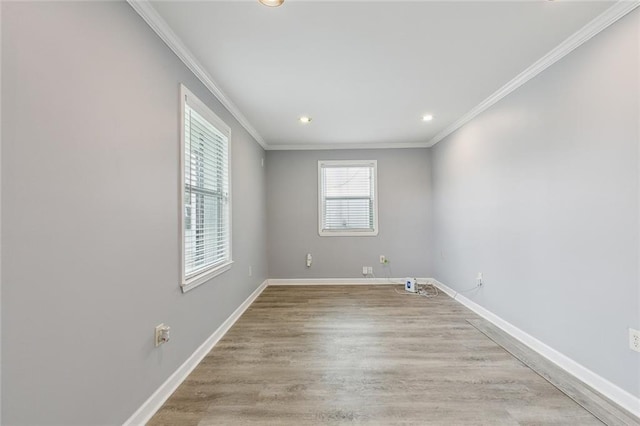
(363, 355)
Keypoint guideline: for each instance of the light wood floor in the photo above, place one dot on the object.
(363, 355)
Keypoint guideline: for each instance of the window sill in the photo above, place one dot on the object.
(205, 276)
(348, 233)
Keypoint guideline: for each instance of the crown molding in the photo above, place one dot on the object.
(325, 146)
(598, 24)
(160, 26)
(604, 20)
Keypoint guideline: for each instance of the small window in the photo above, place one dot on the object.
(347, 202)
(206, 195)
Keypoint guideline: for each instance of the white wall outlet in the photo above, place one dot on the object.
(634, 339)
(410, 285)
(250, 271)
(479, 279)
(383, 259)
(370, 270)
(162, 334)
(364, 270)
(309, 260)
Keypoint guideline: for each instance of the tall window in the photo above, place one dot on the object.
(347, 204)
(206, 197)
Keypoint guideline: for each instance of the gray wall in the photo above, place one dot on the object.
(403, 216)
(0, 219)
(540, 193)
(90, 215)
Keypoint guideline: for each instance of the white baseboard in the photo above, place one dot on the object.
(602, 385)
(342, 281)
(155, 401)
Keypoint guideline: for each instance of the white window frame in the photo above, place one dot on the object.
(186, 96)
(348, 232)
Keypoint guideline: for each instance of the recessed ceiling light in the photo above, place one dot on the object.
(305, 120)
(272, 3)
(427, 117)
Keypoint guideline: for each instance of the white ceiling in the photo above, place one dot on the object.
(366, 71)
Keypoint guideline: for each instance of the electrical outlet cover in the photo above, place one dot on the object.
(634, 340)
(410, 285)
(158, 334)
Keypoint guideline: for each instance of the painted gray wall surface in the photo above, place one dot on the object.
(90, 215)
(403, 216)
(0, 219)
(540, 193)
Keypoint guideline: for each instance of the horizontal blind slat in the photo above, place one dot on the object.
(207, 234)
(347, 197)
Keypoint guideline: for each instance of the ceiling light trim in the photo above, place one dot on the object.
(271, 3)
(598, 24)
(164, 31)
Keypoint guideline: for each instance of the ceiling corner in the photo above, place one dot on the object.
(598, 24)
(146, 10)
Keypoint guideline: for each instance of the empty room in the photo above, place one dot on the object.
(309, 212)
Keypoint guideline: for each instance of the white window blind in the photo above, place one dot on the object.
(206, 195)
(347, 198)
